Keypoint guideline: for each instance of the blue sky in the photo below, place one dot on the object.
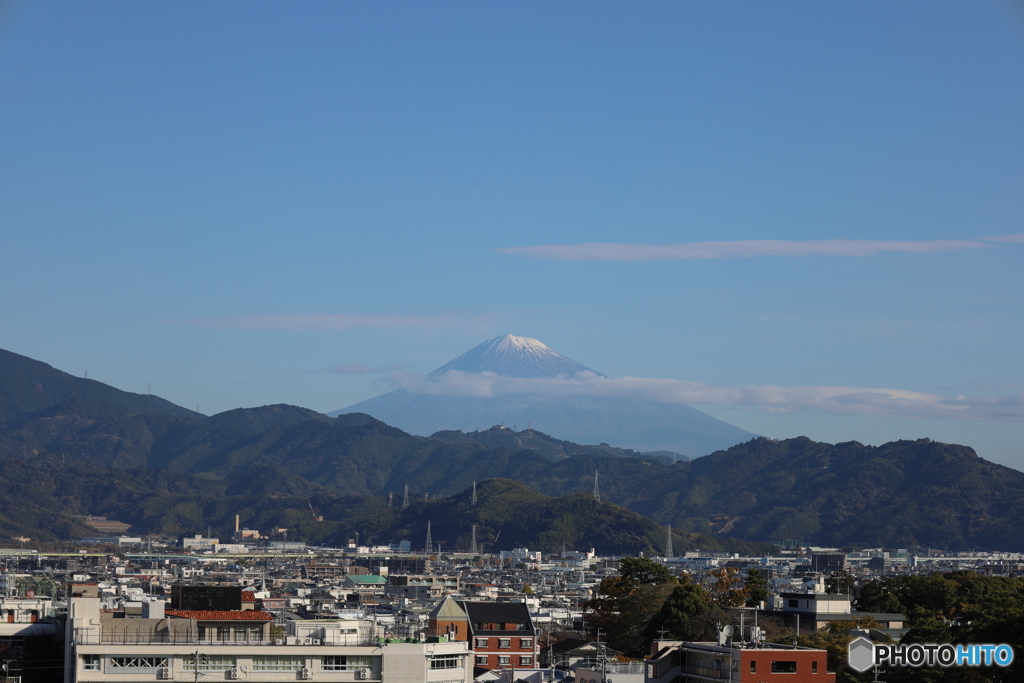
(221, 199)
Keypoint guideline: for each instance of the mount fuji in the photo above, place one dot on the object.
(460, 395)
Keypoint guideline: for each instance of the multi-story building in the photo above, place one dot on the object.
(244, 645)
(502, 634)
(421, 586)
(686, 662)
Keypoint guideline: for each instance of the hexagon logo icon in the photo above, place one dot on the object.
(861, 654)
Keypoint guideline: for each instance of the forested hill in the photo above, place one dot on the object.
(900, 494)
(28, 385)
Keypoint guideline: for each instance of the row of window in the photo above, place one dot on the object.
(505, 660)
(783, 667)
(228, 662)
(504, 642)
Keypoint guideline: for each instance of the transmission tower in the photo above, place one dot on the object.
(668, 543)
(472, 542)
(430, 541)
(473, 501)
(597, 490)
(405, 500)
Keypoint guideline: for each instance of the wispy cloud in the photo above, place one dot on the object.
(1016, 237)
(767, 398)
(612, 251)
(359, 369)
(332, 321)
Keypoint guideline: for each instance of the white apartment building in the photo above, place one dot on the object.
(244, 645)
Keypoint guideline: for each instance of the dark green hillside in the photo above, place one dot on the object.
(28, 385)
(532, 440)
(900, 494)
(525, 518)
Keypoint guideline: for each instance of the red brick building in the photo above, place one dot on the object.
(501, 634)
(686, 662)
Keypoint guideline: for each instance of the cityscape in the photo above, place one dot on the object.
(608, 342)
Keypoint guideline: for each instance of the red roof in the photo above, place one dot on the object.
(219, 615)
(248, 596)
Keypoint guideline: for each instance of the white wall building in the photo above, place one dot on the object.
(244, 646)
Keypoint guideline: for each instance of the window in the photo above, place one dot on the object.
(526, 642)
(504, 659)
(209, 663)
(278, 663)
(526, 660)
(346, 662)
(504, 642)
(481, 642)
(814, 667)
(753, 667)
(223, 633)
(132, 665)
(794, 603)
(783, 667)
(90, 662)
(481, 660)
(445, 662)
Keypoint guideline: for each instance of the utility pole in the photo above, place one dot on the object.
(197, 659)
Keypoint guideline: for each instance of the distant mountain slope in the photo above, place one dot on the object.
(531, 440)
(623, 422)
(899, 494)
(28, 385)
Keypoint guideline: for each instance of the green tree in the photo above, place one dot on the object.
(757, 588)
(643, 570)
(689, 613)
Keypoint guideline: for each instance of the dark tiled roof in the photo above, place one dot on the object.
(498, 613)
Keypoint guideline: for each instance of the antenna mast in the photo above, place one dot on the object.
(405, 500)
(597, 490)
(668, 543)
(430, 541)
(473, 500)
(472, 542)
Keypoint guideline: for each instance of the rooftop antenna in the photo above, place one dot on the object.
(430, 542)
(668, 543)
(473, 500)
(405, 500)
(597, 490)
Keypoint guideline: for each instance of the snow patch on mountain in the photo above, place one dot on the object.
(512, 356)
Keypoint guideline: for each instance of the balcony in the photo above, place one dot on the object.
(90, 637)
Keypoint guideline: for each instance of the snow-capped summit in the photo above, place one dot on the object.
(625, 421)
(514, 356)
